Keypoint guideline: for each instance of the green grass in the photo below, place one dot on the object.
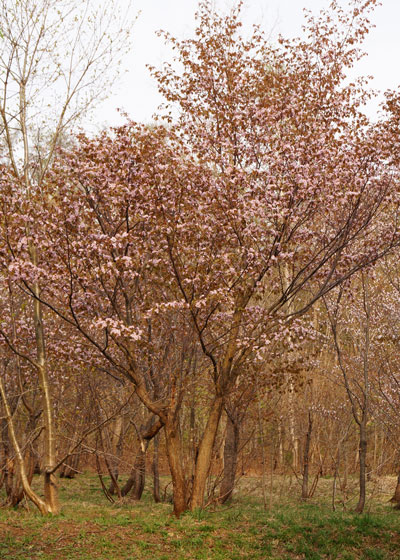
(90, 528)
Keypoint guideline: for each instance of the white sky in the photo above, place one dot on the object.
(136, 92)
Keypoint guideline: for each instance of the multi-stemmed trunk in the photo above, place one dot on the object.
(11, 477)
(187, 495)
(43, 505)
(184, 498)
(226, 377)
(136, 481)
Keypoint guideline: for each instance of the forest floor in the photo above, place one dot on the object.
(91, 528)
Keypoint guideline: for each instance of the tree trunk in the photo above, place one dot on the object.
(156, 473)
(70, 468)
(363, 466)
(304, 488)
(14, 483)
(116, 451)
(50, 481)
(231, 449)
(292, 427)
(204, 456)
(175, 460)
(280, 448)
(14, 486)
(42, 505)
(137, 478)
(396, 496)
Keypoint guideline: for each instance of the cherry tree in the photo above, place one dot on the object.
(221, 226)
(296, 191)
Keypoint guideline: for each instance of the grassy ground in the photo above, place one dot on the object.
(91, 528)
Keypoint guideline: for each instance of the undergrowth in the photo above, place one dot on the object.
(91, 528)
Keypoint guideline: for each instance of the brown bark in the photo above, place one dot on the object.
(175, 460)
(156, 473)
(140, 473)
(50, 481)
(203, 461)
(396, 496)
(363, 467)
(70, 467)
(12, 478)
(137, 477)
(10, 469)
(306, 459)
(192, 435)
(116, 451)
(231, 449)
(42, 505)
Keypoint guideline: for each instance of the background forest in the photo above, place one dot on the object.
(209, 301)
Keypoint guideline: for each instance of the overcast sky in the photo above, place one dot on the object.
(137, 94)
